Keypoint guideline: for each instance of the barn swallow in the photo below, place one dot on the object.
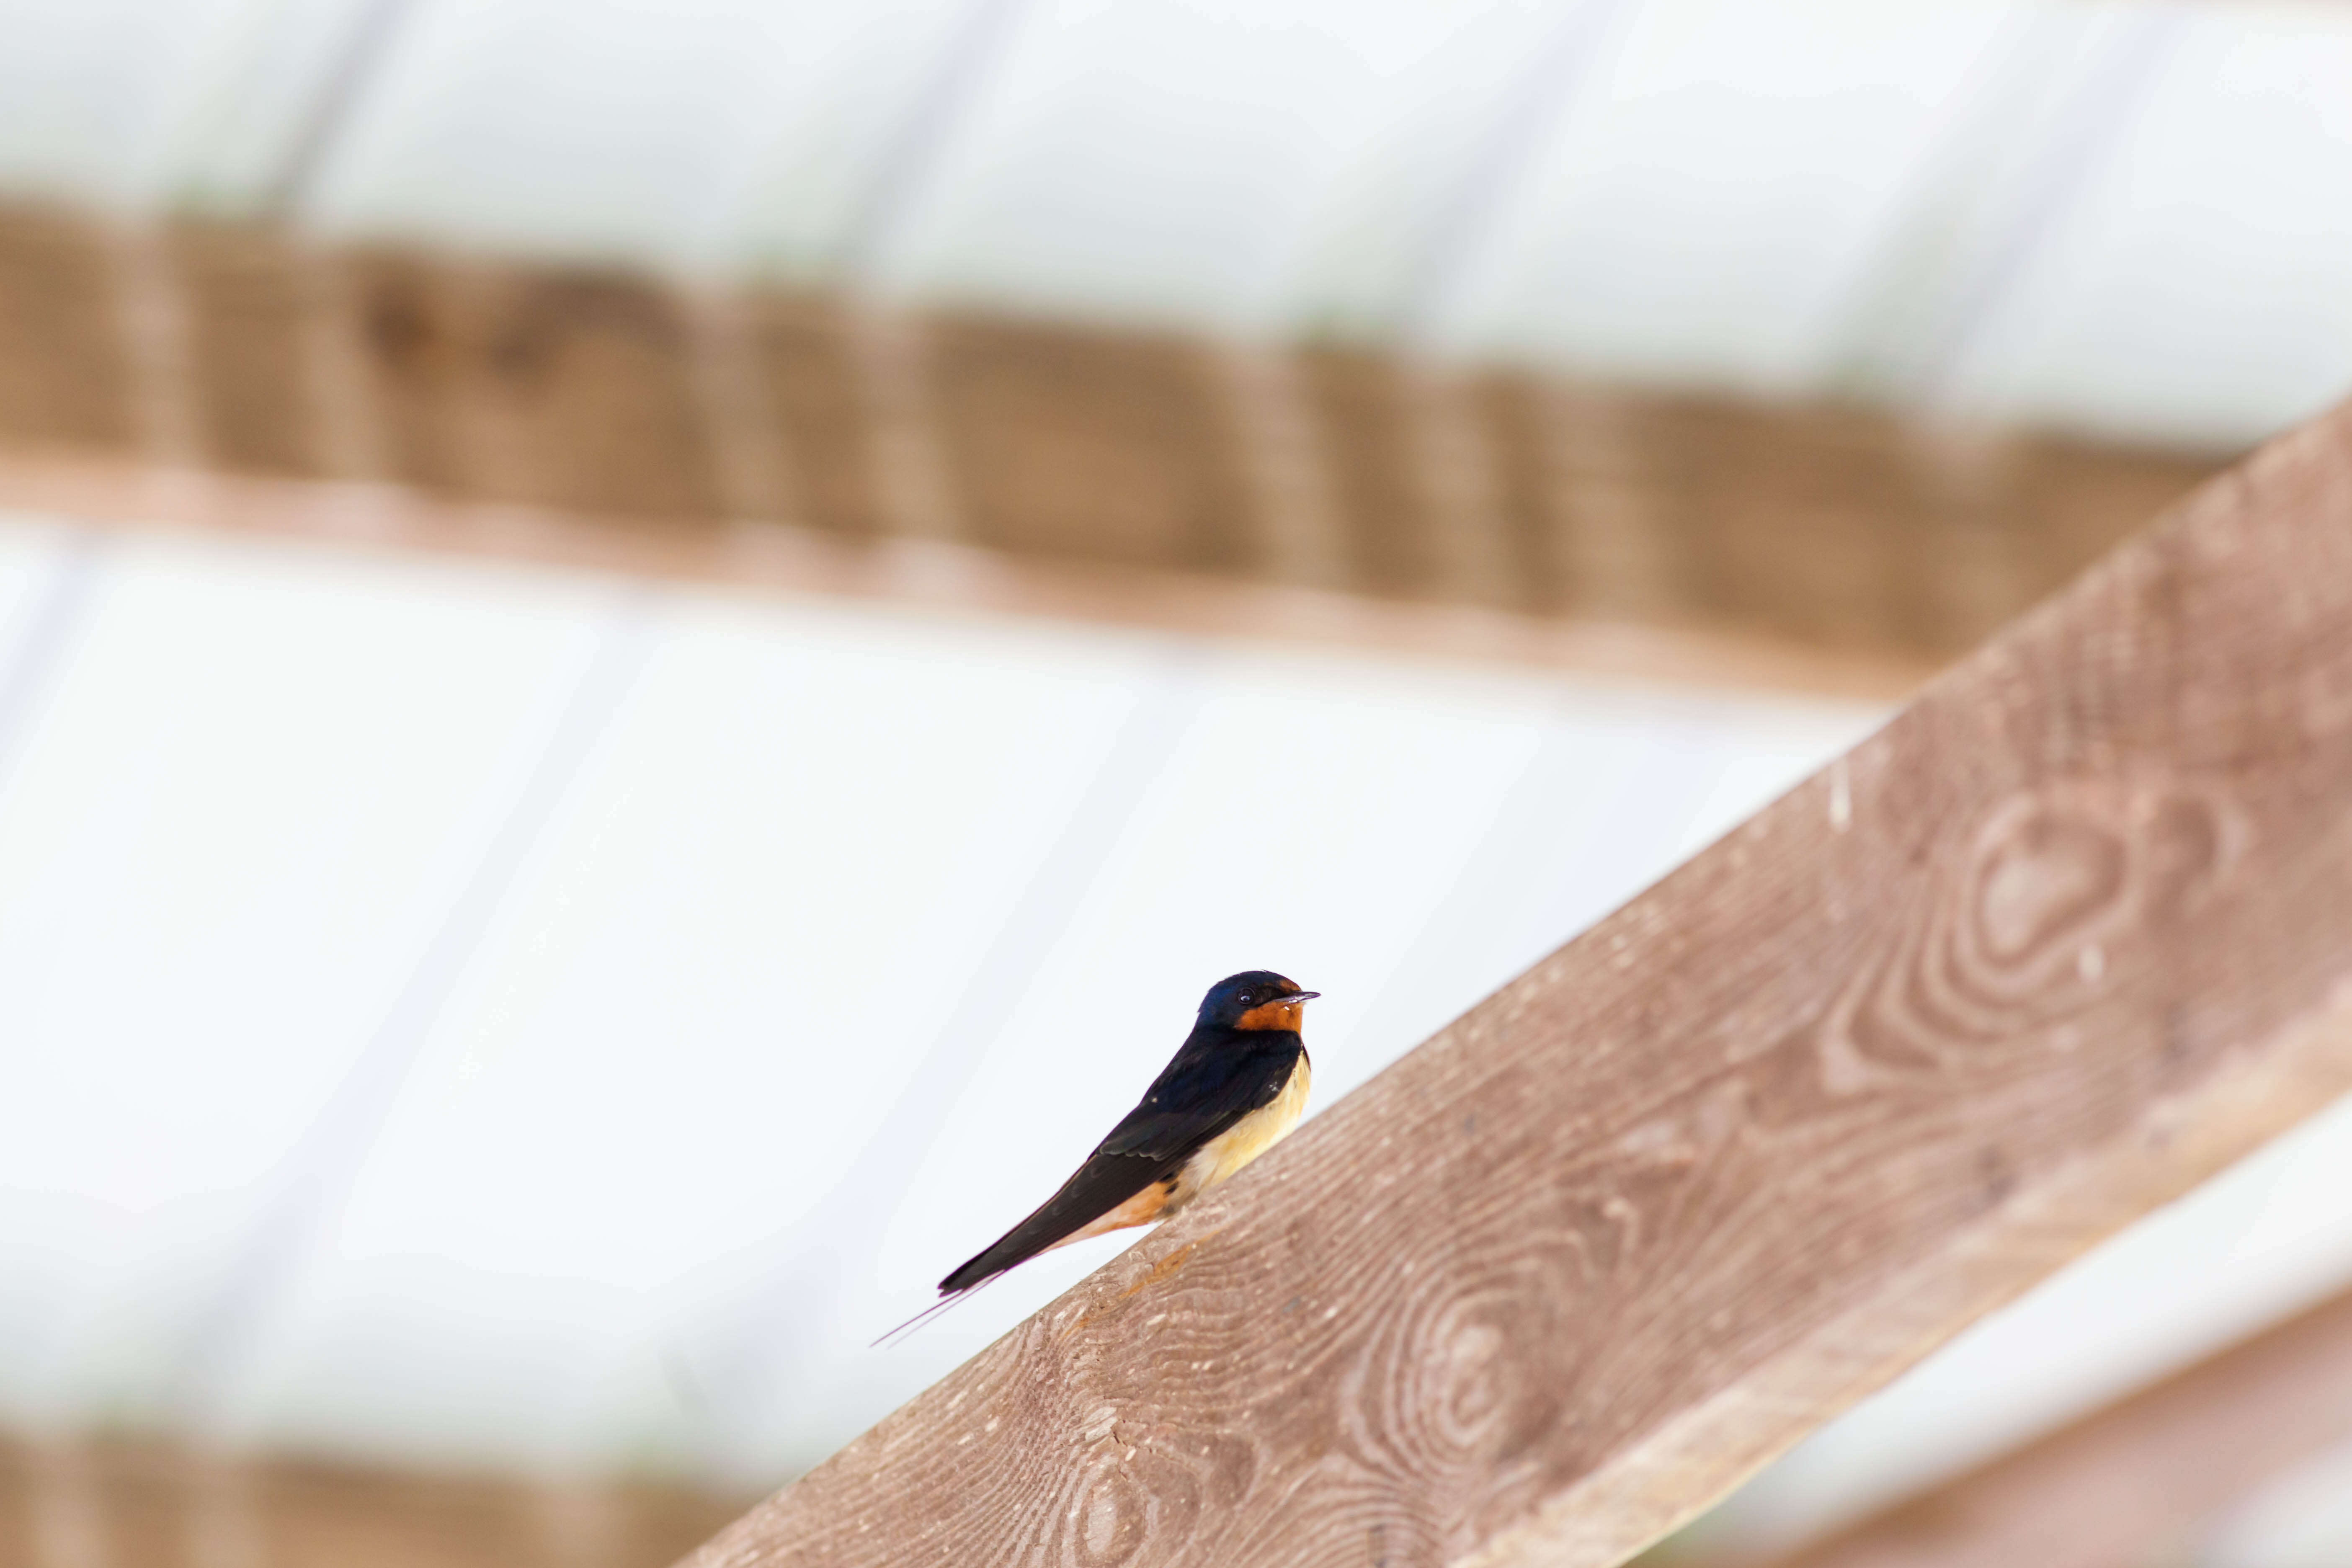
(1232, 1090)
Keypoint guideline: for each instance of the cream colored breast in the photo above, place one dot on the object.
(1244, 1141)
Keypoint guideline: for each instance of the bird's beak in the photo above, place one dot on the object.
(1302, 997)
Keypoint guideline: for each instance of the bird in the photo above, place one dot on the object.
(1234, 1088)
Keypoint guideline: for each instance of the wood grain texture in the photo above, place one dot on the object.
(2072, 931)
(2138, 1483)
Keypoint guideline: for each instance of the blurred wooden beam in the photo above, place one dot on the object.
(115, 1503)
(65, 350)
(251, 307)
(2070, 934)
(2138, 1483)
(538, 386)
(1829, 534)
(945, 578)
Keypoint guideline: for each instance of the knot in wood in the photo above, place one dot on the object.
(2050, 906)
(2043, 875)
(2061, 875)
(1457, 1378)
(1112, 1520)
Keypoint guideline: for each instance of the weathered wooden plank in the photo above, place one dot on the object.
(2137, 1482)
(1545, 573)
(2073, 931)
(126, 1504)
(347, 1517)
(808, 371)
(540, 386)
(139, 1499)
(20, 1523)
(65, 350)
(310, 1515)
(414, 347)
(1623, 515)
(1386, 512)
(952, 578)
(250, 304)
(1092, 445)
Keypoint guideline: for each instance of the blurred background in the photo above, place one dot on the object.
(648, 652)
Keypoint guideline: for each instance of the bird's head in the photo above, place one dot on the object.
(1255, 999)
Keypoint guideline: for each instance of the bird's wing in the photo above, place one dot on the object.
(1197, 1098)
(1192, 1102)
(1100, 1185)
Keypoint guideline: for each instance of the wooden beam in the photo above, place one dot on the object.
(250, 305)
(2070, 932)
(120, 1503)
(2138, 1482)
(532, 385)
(672, 415)
(65, 350)
(935, 576)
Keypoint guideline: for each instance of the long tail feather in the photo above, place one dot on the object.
(946, 1300)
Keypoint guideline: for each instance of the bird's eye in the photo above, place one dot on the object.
(1243, 998)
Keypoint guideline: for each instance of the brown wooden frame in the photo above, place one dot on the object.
(2136, 1482)
(128, 1504)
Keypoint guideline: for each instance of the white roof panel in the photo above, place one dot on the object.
(2195, 291)
(249, 795)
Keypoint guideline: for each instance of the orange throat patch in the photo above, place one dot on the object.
(1284, 1013)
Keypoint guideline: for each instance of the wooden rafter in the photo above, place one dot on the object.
(671, 416)
(2072, 931)
(2137, 1482)
(152, 1505)
(933, 575)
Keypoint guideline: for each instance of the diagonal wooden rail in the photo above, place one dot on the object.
(2134, 1483)
(2070, 932)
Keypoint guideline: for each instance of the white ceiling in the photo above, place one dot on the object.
(2133, 218)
